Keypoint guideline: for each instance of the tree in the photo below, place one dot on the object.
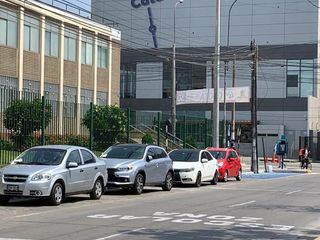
(109, 122)
(147, 139)
(23, 117)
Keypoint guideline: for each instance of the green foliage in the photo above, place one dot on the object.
(190, 140)
(23, 117)
(109, 124)
(147, 139)
(6, 145)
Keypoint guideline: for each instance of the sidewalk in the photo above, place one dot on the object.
(290, 166)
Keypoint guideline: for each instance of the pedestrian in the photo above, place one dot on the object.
(306, 155)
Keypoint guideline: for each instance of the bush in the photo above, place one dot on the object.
(23, 117)
(147, 139)
(109, 124)
(6, 145)
(191, 141)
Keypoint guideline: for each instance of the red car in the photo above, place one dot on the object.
(229, 164)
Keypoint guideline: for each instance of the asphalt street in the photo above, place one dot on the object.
(274, 208)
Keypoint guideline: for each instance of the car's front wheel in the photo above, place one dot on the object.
(57, 194)
(97, 190)
(198, 180)
(168, 182)
(138, 184)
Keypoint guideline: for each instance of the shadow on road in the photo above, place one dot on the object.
(223, 233)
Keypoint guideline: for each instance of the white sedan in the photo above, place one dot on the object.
(193, 166)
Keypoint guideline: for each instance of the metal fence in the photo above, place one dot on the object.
(27, 120)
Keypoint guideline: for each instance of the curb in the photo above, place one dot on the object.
(291, 171)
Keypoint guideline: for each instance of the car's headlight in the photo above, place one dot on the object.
(41, 176)
(187, 170)
(122, 169)
(220, 164)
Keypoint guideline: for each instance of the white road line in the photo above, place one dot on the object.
(289, 193)
(241, 204)
(12, 239)
(119, 234)
(27, 215)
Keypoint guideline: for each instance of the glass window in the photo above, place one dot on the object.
(184, 155)
(124, 152)
(209, 157)
(128, 81)
(102, 55)
(300, 78)
(74, 156)
(3, 30)
(70, 45)
(86, 50)
(8, 28)
(51, 40)
(31, 34)
(87, 157)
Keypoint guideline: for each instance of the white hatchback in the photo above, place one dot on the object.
(194, 166)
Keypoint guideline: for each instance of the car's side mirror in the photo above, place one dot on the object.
(231, 159)
(72, 165)
(204, 160)
(149, 158)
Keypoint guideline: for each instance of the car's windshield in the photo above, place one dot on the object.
(124, 152)
(41, 156)
(184, 156)
(218, 154)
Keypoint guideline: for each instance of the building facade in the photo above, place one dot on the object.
(61, 56)
(285, 31)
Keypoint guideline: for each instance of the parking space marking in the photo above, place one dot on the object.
(289, 193)
(119, 234)
(242, 204)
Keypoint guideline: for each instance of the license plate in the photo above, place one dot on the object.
(13, 188)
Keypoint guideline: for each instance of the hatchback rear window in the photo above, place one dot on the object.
(124, 152)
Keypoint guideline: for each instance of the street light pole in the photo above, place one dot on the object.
(215, 106)
(173, 94)
(233, 115)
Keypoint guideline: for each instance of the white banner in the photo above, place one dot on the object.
(237, 94)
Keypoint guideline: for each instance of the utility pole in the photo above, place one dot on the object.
(233, 114)
(225, 105)
(215, 105)
(254, 155)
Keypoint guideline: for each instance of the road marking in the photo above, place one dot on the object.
(289, 193)
(12, 239)
(119, 234)
(28, 215)
(241, 204)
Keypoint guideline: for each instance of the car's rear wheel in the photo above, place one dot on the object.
(97, 190)
(215, 178)
(168, 182)
(138, 184)
(239, 177)
(198, 180)
(57, 194)
(4, 200)
(225, 177)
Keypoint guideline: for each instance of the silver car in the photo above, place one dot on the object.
(135, 165)
(53, 172)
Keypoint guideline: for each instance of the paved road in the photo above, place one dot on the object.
(280, 208)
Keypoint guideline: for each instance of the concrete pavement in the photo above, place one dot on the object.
(286, 208)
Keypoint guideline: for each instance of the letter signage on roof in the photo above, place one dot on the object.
(145, 3)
